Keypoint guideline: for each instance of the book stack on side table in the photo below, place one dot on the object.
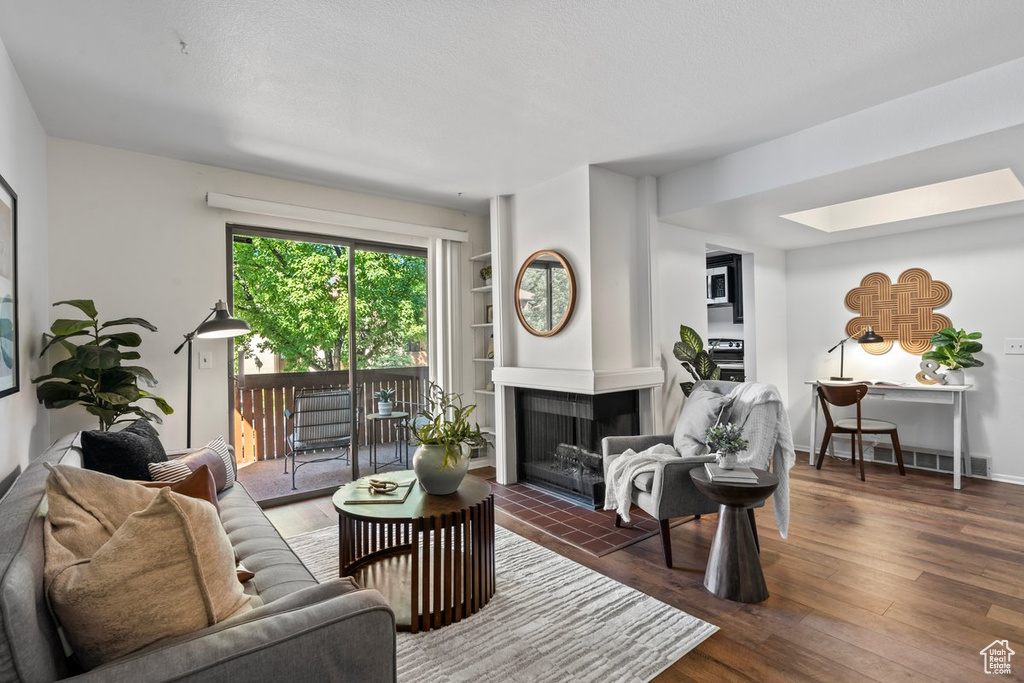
(737, 475)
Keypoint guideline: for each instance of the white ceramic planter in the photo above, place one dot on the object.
(435, 479)
(727, 461)
(384, 407)
(954, 378)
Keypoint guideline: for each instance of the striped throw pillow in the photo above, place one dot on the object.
(220, 447)
(216, 454)
(171, 471)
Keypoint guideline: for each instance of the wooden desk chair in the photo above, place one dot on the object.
(846, 395)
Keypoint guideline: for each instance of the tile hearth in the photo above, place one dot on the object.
(590, 530)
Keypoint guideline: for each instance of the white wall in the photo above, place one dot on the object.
(24, 430)
(133, 232)
(553, 215)
(981, 262)
(679, 263)
(619, 297)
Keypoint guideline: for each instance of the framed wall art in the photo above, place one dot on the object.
(8, 290)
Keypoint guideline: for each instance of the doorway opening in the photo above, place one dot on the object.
(336, 320)
(728, 293)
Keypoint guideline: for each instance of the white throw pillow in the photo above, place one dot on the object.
(703, 409)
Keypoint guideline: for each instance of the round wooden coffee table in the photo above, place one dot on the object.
(734, 568)
(432, 557)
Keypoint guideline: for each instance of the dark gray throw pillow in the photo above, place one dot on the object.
(124, 454)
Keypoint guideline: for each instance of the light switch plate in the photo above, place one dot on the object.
(1013, 347)
(205, 360)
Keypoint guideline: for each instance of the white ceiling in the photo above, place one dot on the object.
(429, 99)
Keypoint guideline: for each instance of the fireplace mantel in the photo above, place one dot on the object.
(579, 381)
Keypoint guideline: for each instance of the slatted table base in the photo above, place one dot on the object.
(434, 571)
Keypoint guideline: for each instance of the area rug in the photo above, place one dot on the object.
(593, 531)
(550, 619)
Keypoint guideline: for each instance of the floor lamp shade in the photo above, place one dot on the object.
(218, 324)
(222, 325)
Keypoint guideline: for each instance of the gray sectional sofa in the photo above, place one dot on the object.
(301, 630)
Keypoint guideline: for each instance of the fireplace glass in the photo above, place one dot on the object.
(558, 438)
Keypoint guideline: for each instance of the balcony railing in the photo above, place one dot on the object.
(260, 424)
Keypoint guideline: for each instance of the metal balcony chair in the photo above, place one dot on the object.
(407, 428)
(847, 395)
(322, 420)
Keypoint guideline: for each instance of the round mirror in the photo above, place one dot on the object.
(545, 293)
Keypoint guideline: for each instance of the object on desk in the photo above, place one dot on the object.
(364, 495)
(847, 395)
(869, 337)
(930, 373)
(901, 311)
(954, 350)
(738, 475)
(883, 382)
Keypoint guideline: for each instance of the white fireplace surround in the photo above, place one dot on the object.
(580, 381)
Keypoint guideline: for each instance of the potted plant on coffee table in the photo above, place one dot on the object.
(384, 404)
(954, 349)
(726, 441)
(445, 436)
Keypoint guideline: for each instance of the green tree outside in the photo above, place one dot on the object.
(295, 296)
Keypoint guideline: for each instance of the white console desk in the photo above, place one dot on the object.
(938, 394)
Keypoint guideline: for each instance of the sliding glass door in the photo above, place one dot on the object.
(325, 314)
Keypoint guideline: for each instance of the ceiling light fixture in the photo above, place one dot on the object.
(971, 192)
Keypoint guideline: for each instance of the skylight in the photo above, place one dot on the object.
(972, 192)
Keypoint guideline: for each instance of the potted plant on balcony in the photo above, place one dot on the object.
(445, 436)
(384, 405)
(726, 441)
(954, 349)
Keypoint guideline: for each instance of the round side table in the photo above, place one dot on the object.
(432, 557)
(734, 568)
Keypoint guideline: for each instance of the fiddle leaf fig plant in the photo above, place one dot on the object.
(955, 349)
(689, 350)
(91, 373)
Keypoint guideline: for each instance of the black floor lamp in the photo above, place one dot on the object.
(222, 326)
(869, 337)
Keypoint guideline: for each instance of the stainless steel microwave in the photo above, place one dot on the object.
(718, 286)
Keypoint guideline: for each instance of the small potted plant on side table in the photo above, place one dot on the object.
(726, 441)
(384, 405)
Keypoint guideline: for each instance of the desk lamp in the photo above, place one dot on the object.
(869, 337)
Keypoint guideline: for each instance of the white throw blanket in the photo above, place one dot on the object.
(770, 440)
(624, 469)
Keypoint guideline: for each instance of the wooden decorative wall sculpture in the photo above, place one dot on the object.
(900, 311)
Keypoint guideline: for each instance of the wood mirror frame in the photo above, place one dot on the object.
(556, 328)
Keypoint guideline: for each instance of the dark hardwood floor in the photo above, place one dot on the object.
(892, 579)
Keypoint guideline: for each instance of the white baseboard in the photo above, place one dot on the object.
(1008, 479)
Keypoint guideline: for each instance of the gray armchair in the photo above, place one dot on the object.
(668, 492)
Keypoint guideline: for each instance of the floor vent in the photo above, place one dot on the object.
(933, 460)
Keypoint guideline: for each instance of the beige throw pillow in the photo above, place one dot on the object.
(167, 570)
(85, 508)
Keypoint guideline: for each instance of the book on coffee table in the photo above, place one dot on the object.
(361, 494)
(737, 475)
